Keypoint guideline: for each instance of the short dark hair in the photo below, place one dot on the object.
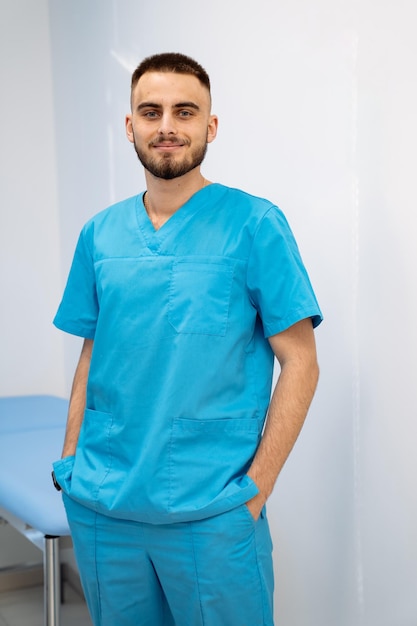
(171, 62)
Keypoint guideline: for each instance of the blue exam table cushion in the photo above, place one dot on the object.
(32, 431)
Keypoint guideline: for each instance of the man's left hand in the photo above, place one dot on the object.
(255, 506)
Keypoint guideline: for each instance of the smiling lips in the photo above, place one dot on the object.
(168, 145)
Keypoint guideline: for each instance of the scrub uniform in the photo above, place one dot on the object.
(179, 386)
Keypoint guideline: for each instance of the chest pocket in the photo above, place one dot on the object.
(199, 297)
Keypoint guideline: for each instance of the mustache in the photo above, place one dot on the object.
(172, 141)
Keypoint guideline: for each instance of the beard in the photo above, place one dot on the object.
(166, 166)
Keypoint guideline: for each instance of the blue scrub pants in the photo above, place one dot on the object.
(211, 572)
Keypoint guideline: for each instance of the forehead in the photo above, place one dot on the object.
(170, 88)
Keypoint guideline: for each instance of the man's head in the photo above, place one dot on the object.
(171, 123)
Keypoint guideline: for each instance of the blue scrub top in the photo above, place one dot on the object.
(181, 369)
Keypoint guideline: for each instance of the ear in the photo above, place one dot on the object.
(129, 128)
(212, 128)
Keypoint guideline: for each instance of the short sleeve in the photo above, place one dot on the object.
(77, 314)
(277, 280)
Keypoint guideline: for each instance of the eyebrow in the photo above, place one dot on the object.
(187, 105)
(179, 105)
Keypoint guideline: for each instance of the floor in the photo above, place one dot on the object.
(24, 607)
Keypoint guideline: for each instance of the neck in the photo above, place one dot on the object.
(164, 197)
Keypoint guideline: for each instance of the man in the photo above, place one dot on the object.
(183, 295)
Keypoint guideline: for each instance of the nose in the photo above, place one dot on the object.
(167, 124)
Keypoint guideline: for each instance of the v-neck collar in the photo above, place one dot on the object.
(154, 238)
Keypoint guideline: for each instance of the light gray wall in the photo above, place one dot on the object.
(31, 351)
(317, 112)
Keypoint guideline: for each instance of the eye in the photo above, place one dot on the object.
(150, 115)
(184, 113)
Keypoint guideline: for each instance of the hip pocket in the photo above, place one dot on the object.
(93, 458)
(207, 455)
(199, 297)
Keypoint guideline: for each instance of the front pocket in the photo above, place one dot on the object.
(93, 456)
(199, 297)
(206, 456)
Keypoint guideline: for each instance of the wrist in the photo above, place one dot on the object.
(263, 491)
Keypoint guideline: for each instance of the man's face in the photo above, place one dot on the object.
(170, 124)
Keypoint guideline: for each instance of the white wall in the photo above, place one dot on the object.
(386, 311)
(317, 106)
(31, 352)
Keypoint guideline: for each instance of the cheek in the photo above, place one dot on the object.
(138, 137)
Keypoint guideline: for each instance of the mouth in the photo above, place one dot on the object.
(167, 145)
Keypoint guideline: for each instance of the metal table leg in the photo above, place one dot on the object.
(52, 581)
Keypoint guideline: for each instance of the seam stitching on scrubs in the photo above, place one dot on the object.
(196, 573)
(170, 464)
(263, 591)
(96, 568)
(251, 383)
(251, 248)
(109, 459)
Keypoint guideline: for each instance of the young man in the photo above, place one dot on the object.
(183, 294)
